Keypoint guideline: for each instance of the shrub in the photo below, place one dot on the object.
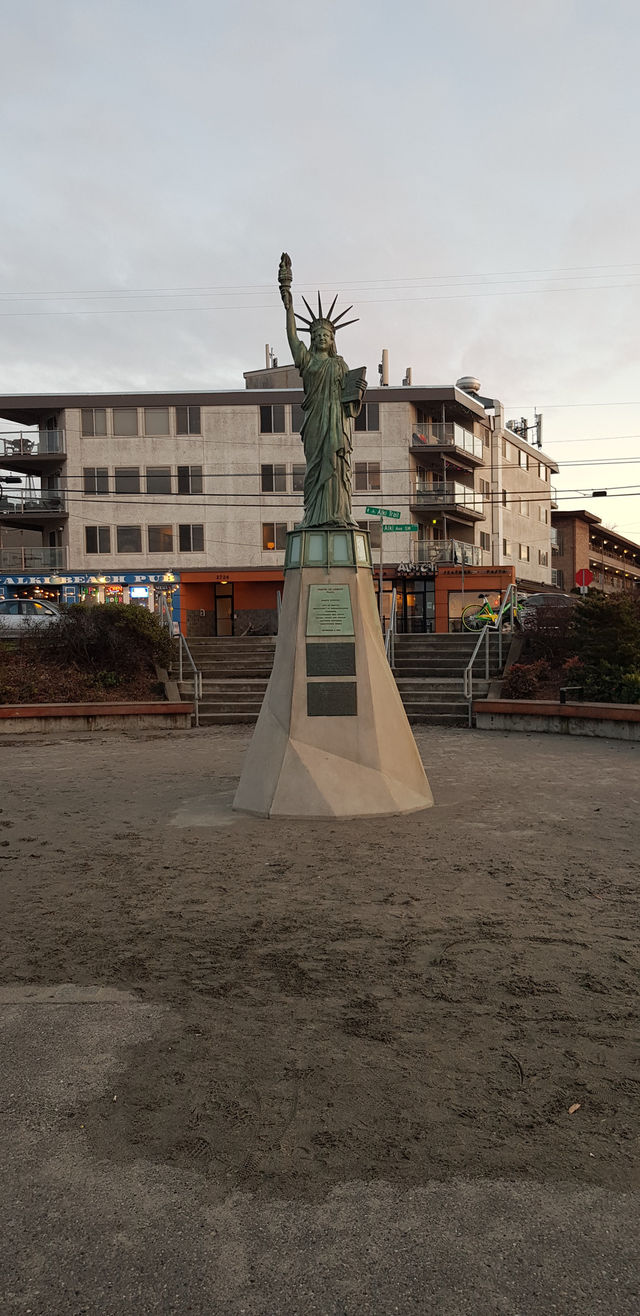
(608, 683)
(113, 638)
(520, 682)
(605, 629)
(548, 633)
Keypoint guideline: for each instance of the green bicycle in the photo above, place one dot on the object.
(475, 617)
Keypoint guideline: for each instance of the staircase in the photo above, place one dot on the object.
(429, 671)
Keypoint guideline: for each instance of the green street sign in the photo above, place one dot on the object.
(380, 511)
(387, 529)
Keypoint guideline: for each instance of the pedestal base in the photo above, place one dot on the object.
(332, 739)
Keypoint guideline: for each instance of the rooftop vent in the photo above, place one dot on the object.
(468, 384)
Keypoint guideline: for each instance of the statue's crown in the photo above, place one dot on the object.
(321, 318)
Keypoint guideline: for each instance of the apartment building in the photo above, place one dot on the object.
(579, 540)
(191, 494)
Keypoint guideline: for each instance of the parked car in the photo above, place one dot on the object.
(22, 614)
(548, 600)
(536, 606)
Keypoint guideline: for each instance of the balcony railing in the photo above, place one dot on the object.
(448, 435)
(32, 444)
(28, 501)
(448, 494)
(33, 559)
(447, 550)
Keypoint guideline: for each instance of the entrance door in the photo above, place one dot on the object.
(419, 606)
(224, 609)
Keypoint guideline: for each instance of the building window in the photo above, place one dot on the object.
(188, 420)
(485, 488)
(273, 479)
(504, 498)
(367, 475)
(96, 480)
(558, 547)
(369, 418)
(506, 548)
(524, 553)
(524, 459)
(127, 480)
(297, 417)
(160, 538)
(557, 578)
(156, 420)
(97, 538)
(297, 478)
(272, 420)
(191, 538)
(542, 471)
(543, 558)
(274, 534)
(125, 421)
(375, 531)
(128, 539)
(158, 479)
(189, 479)
(94, 421)
(485, 541)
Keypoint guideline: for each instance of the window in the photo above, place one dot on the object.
(189, 479)
(158, 479)
(128, 539)
(188, 420)
(485, 541)
(557, 578)
(524, 553)
(272, 420)
(97, 538)
(509, 451)
(375, 531)
(524, 459)
(191, 538)
(298, 478)
(485, 488)
(273, 479)
(160, 538)
(504, 498)
(297, 417)
(542, 471)
(127, 480)
(125, 421)
(274, 535)
(156, 420)
(506, 548)
(367, 475)
(96, 480)
(369, 418)
(543, 558)
(525, 507)
(558, 547)
(94, 421)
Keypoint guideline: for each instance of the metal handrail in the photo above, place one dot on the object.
(511, 598)
(468, 671)
(278, 605)
(197, 675)
(390, 637)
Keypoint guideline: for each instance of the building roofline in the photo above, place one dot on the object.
(595, 523)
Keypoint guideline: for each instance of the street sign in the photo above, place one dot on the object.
(386, 529)
(584, 576)
(381, 511)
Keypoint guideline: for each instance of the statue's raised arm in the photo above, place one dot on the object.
(285, 279)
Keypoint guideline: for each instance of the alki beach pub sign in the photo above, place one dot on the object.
(83, 578)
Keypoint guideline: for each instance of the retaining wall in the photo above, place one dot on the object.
(618, 721)
(16, 719)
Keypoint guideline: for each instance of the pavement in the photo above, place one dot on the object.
(87, 1237)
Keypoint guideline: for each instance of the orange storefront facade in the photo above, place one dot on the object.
(240, 602)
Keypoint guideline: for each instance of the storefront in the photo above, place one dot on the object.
(230, 602)
(141, 588)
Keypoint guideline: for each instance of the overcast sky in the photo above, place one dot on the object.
(466, 173)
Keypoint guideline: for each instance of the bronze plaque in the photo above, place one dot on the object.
(331, 659)
(329, 610)
(332, 699)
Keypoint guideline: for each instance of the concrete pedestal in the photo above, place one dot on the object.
(332, 739)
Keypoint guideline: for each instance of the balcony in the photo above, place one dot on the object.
(555, 542)
(33, 559)
(457, 500)
(446, 550)
(554, 496)
(36, 452)
(31, 508)
(429, 439)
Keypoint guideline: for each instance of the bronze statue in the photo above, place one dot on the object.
(332, 399)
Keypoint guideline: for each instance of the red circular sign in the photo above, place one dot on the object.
(584, 577)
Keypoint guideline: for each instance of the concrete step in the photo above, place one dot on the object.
(226, 719)
(439, 719)
(424, 707)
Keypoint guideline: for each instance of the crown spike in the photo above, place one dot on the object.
(320, 311)
(330, 311)
(339, 317)
(343, 326)
(303, 318)
(308, 307)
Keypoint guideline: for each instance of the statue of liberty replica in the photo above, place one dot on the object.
(332, 399)
(332, 739)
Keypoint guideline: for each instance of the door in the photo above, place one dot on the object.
(224, 609)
